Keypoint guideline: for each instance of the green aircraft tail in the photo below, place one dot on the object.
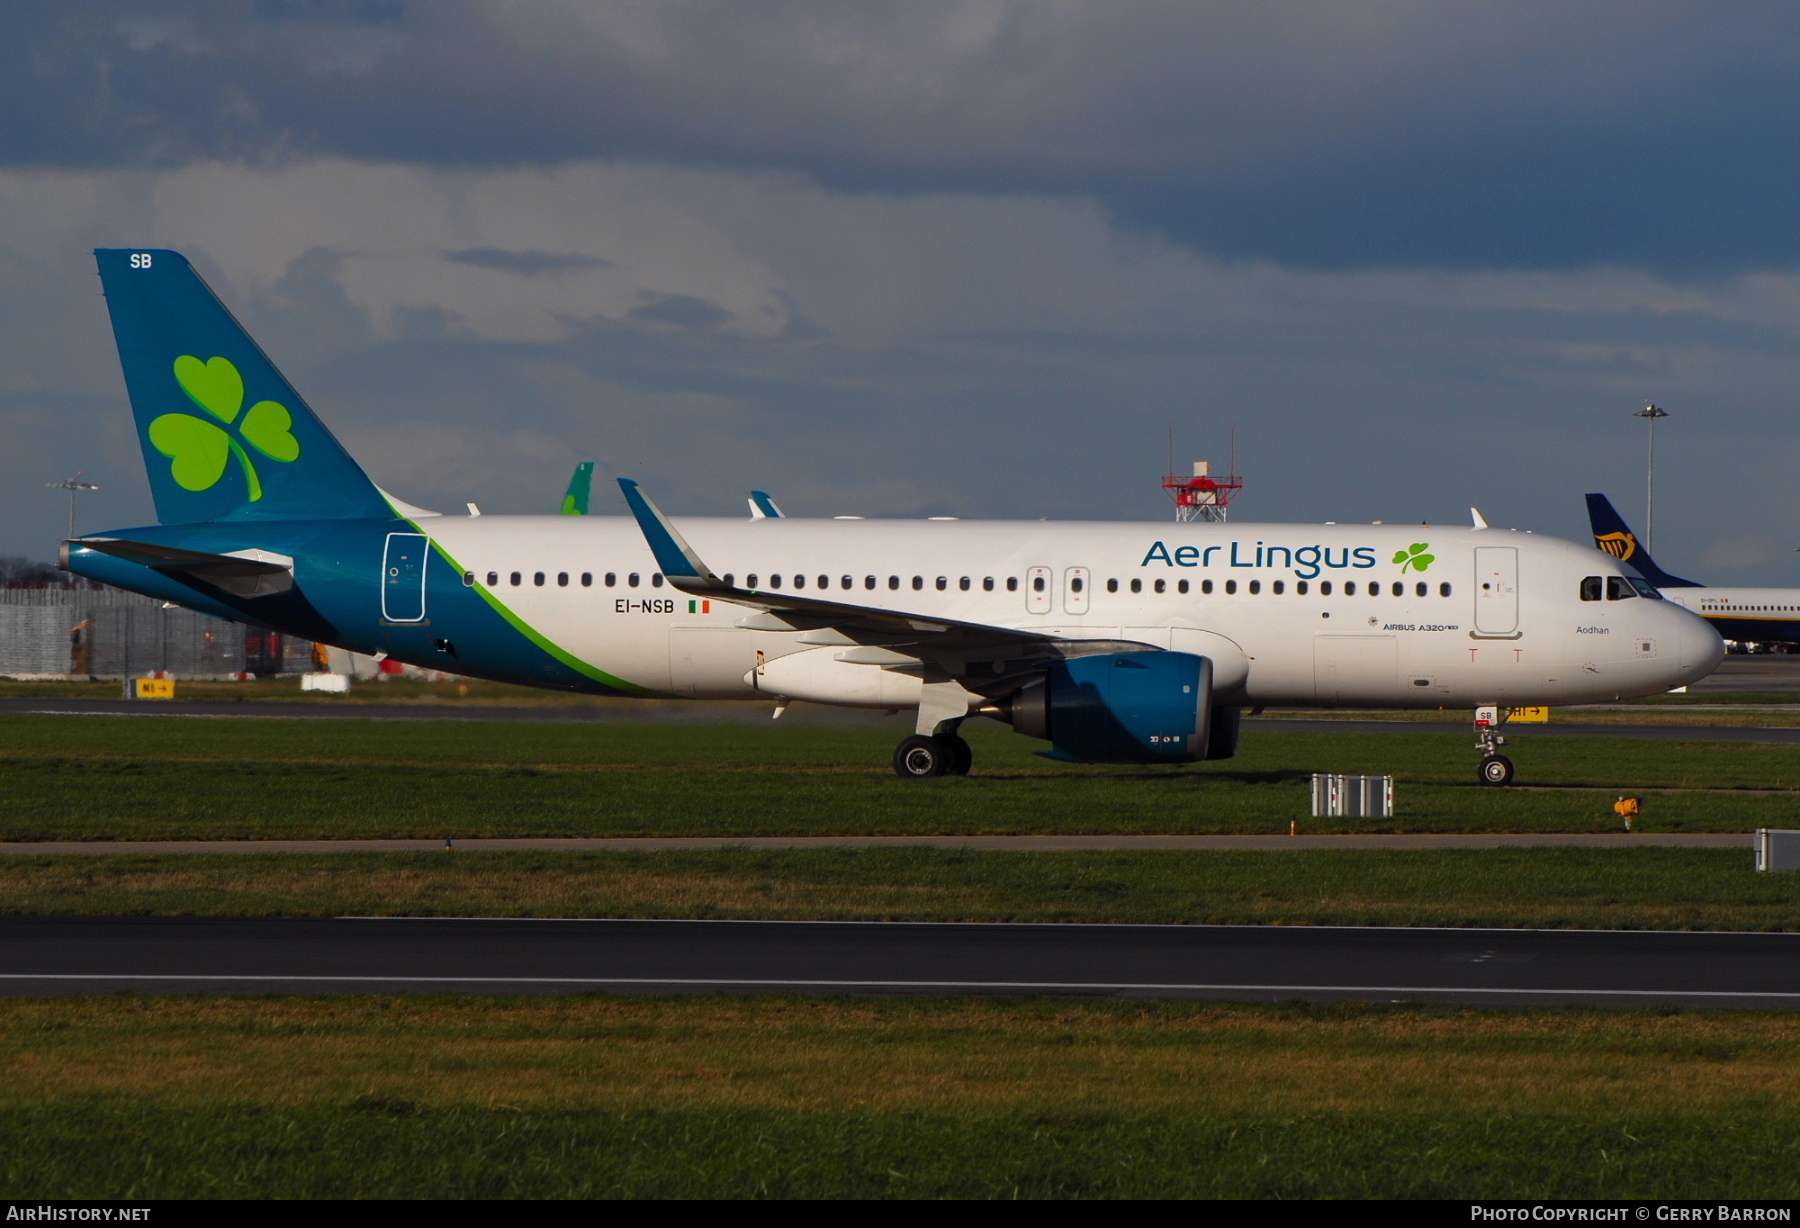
(575, 502)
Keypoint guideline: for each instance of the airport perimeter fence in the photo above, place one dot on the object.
(93, 631)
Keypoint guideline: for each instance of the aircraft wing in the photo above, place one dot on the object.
(243, 573)
(871, 635)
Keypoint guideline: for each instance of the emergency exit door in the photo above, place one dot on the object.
(1496, 590)
(403, 577)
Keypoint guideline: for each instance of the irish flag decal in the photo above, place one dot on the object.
(699, 607)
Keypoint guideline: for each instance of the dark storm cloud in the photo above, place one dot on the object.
(530, 263)
(1334, 135)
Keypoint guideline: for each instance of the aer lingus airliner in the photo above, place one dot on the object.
(1113, 642)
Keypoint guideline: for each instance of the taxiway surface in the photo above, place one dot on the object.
(60, 955)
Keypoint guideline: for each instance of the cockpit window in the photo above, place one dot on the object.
(1618, 588)
(1645, 588)
(1590, 588)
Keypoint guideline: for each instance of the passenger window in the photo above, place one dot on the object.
(1181, 586)
(1137, 586)
(1421, 589)
(850, 582)
(631, 581)
(493, 579)
(1160, 585)
(1618, 588)
(1300, 587)
(515, 579)
(1278, 588)
(1012, 584)
(1444, 590)
(799, 580)
(1399, 589)
(942, 584)
(987, 584)
(918, 583)
(750, 581)
(1349, 588)
(1039, 584)
(893, 581)
(468, 579)
(656, 579)
(1255, 587)
(774, 581)
(1112, 586)
(562, 579)
(1075, 584)
(825, 582)
(963, 584)
(537, 578)
(1590, 588)
(1324, 588)
(587, 579)
(868, 581)
(1231, 586)
(730, 580)
(612, 578)
(1206, 586)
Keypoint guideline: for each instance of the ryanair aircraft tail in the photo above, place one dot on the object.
(1614, 536)
(225, 436)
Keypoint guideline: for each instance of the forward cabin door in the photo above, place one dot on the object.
(1496, 590)
(1037, 590)
(403, 577)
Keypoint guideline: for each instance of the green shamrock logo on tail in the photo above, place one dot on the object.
(198, 449)
(1415, 557)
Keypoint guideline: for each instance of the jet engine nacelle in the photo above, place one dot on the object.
(1127, 707)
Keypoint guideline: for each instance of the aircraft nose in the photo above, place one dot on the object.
(1699, 648)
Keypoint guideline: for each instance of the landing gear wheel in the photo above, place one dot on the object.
(919, 757)
(961, 757)
(1496, 770)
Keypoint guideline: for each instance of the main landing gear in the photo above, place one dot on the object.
(943, 754)
(1496, 768)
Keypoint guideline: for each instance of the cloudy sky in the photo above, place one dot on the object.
(970, 258)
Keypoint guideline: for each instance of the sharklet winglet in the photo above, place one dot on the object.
(673, 555)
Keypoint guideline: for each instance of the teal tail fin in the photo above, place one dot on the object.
(575, 502)
(225, 436)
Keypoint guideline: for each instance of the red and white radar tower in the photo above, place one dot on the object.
(1203, 496)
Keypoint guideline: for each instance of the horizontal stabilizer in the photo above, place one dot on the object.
(243, 573)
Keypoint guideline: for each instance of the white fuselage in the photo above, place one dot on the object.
(1289, 614)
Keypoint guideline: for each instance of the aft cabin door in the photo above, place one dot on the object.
(1496, 590)
(403, 577)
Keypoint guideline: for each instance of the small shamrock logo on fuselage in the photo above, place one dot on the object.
(199, 449)
(1415, 557)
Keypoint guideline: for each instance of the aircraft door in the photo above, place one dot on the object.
(1075, 590)
(403, 577)
(1496, 590)
(1037, 590)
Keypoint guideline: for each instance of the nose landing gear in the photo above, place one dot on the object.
(1496, 768)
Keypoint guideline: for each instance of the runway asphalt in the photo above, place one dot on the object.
(61, 955)
(1041, 844)
(674, 712)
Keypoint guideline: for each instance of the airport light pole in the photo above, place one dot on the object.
(74, 486)
(1651, 412)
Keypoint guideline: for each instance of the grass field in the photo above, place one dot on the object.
(448, 1097)
(121, 777)
(1645, 888)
